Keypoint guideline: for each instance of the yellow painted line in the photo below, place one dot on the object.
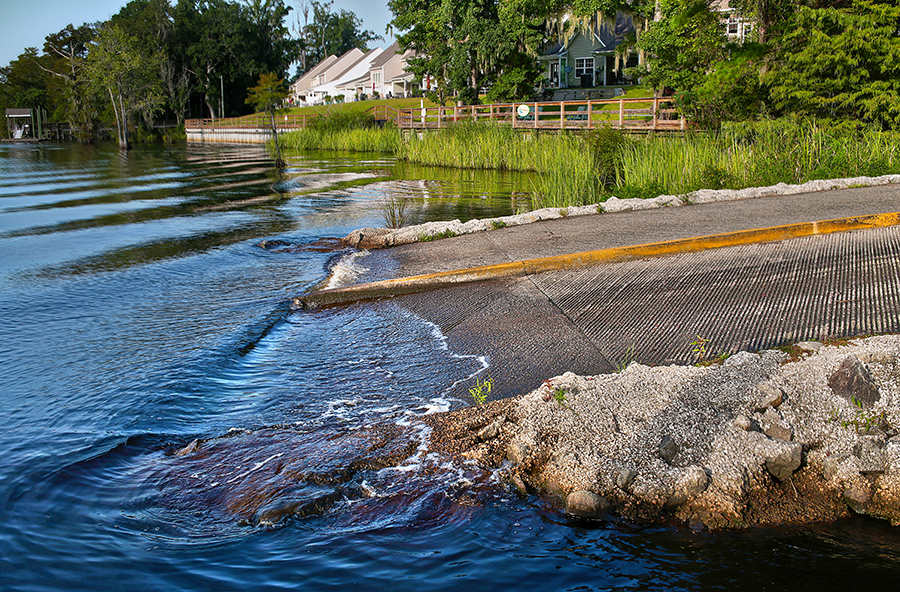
(419, 283)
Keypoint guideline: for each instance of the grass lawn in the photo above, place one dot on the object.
(357, 106)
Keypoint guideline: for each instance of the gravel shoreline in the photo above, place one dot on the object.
(766, 438)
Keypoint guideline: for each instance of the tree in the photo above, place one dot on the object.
(117, 66)
(26, 81)
(67, 51)
(329, 33)
(841, 62)
(467, 45)
(267, 96)
(273, 47)
(152, 21)
(682, 46)
(215, 45)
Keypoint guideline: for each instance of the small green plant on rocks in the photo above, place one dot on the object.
(559, 395)
(498, 224)
(863, 419)
(716, 360)
(482, 389)
(627, 358)
(430, 237)
(699, 347)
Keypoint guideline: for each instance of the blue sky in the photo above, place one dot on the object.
(25, 23)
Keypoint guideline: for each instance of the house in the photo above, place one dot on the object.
(334, 78)
(387, 76)
(587, 59)
(737, 28)
(301, 85)
(396, 80)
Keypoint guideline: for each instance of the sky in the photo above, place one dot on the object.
(26, 23)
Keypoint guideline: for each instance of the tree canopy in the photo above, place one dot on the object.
(198, 57)
(837, 59)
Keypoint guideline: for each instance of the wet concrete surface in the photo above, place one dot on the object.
(657, 310)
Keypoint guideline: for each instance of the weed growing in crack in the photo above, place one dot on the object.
(481, 389)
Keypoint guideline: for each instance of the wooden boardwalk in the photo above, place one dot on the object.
(647, 114)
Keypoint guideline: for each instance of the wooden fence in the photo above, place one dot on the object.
(648, 114)
(257, 121)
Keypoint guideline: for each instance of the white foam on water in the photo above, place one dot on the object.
(256, 467)
(347, 270)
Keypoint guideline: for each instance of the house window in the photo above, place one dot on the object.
(733, 26)
(583, 66)
(584, 71)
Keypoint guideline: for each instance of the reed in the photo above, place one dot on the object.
(762, 154)
(573, 169)
(387, 140)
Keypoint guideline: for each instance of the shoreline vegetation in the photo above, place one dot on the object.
(576, 169)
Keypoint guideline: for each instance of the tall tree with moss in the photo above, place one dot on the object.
(681, 46)
(117, 66)
(466, 45)
(268, 96)
(66, 52)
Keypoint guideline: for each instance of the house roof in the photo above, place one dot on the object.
(353, 83)
(386, 55)
(303, 81)
(356, 75)
(344, 63)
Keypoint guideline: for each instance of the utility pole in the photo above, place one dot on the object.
(221, 97)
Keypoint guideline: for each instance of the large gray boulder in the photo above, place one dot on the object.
(852, 381)
(784, 460)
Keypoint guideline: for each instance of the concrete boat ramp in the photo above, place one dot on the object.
(589, 294)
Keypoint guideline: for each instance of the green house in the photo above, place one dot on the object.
(587, 58)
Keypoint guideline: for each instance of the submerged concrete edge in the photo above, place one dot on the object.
(420, 283)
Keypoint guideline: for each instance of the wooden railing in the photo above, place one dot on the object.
(634, 114)
(638, 114)
(257, 121)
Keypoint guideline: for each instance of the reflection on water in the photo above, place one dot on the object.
(71, 198)
(170, 423)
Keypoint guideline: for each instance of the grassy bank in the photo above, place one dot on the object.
(574, 169)
(752, 155)
(388, 141)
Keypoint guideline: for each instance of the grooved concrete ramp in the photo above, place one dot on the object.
(749, 297)
(591, 319)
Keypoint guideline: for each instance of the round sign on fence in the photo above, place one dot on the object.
(523, 110)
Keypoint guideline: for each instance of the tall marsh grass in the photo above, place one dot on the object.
(387, 140)
(563, 162)
(753, 155)
(573, 169)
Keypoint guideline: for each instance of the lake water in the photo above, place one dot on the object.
(169, 423)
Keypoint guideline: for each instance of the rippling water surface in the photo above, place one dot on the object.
(171, 424)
